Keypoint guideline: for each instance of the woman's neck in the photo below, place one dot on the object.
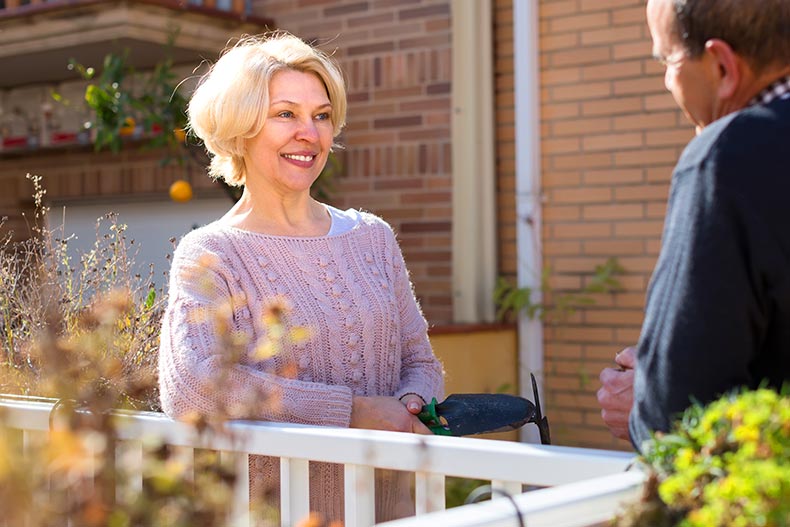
(266, 213)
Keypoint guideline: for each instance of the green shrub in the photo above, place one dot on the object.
(725, 464)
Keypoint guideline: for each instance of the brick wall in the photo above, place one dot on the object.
(610, 135)
(396, 58)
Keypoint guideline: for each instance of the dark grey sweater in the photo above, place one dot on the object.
(718, 304)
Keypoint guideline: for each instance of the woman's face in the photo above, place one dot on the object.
(292, 147)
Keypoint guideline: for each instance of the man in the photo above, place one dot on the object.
(718, 305)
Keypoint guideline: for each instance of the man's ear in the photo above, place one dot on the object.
(728, 67)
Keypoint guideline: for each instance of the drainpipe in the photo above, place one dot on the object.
(528, 202)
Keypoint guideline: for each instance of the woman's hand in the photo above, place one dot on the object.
(387, 413)
(412, 402)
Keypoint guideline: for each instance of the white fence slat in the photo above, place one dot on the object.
(185, 455)
(429, 492)
(31, 442)
(294, 490)
(129, 460)
(240, 506)
(31, 439)
(360, 496)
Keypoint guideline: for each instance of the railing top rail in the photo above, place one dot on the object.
(461, 457)
(579, 504)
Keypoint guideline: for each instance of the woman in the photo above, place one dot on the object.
(268, 112)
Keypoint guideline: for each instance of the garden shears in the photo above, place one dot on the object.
(463, 414)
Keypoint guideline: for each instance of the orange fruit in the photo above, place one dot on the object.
(128, 126)
(181, 191)
(180, 134)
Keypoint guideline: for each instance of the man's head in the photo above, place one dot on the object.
(719, 53)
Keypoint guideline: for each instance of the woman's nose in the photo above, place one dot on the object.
(307, 131)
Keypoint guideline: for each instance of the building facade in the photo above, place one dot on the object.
(511, 138)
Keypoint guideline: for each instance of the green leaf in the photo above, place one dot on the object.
(150, 298)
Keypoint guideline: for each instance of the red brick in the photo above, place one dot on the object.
(639, 229)
(557, 8)
(346, 9)
(615, 141)
(580, 56)
(612, 176)
(578, 22)
(642, 192)
(424, 12)
(590, 90)
(613, 212)
(610, 34)
(598, 5)
(581, 195)
(613, 106)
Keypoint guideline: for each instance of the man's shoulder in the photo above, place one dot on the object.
(758, 123)
(758, 134)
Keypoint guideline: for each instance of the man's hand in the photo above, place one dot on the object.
(616, 395)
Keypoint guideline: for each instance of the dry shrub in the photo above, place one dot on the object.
(50, 295)
(83, 330)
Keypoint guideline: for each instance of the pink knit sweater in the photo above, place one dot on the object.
(367, 336)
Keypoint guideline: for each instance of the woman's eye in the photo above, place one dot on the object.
(286, 114)
(324, 116)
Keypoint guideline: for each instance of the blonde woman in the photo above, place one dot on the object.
(268, 112)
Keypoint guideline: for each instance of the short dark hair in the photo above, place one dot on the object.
(758, 30)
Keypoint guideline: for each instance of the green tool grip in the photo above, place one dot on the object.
(431, 419)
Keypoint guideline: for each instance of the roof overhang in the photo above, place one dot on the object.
(37, 41)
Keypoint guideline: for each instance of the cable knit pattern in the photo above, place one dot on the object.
(368, 337)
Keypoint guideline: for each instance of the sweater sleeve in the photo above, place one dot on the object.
(198, 371)
(705, 315)
(421, 372)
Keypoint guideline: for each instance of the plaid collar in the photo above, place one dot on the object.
(778, 89)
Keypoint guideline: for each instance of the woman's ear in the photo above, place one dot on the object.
(728, 65)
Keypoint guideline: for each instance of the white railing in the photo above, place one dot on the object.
(583, 486)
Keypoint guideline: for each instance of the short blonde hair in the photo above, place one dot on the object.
(231, 100)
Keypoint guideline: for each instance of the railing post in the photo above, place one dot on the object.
(240, 506)
(429, 492)
(501, 488)
(294, 490)
(32, 441)
(129, 460)
(360, 496)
